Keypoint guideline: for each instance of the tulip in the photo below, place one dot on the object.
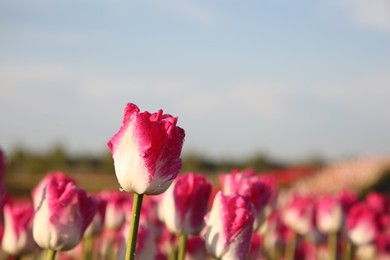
(231, 181)
(347, 200)
(256, 251)
(3, 192)
(62, 216)
(184, 206)
(95, 228)
(146, 246)
(299, 214)
(276, 235)
(361, 224)
(329, 217)
(383, 245)
(115, 208)
(97, 224)
(247, 184)
(196, 249)
(18, 239)
(37, 193)
(379, 203)
(146, 151)
(229, 227)
(166, 242)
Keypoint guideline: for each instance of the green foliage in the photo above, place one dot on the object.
(21, 160)
(381, 186)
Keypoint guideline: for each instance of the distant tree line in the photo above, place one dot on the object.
(22, 160)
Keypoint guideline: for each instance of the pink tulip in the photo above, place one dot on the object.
(37, 193)
(62, 215)
(196, 249)
(229, 227)
(277, 233)
(231, 181)
(3, 192)
(307, 251)
(379, 203)
(247, 184)
(347, 200)
(166, 241)
(329, 214)
(383, 245)
(97, 224)
(256, 252)
(184, 204)
(299, 214)
(115, 215)
(146, 244)
(18, 239)
(146, 151)
(361, 224)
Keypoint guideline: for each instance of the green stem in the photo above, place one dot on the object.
(277, 254)
(182, 246)
(290, 247)
(348, 253)
(51, 254)
(133, 232)
(332, 245)
(172, 254)
(87, 242)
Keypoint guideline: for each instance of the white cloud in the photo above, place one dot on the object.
(369, 13)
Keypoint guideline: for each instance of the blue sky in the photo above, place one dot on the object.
(286, 78)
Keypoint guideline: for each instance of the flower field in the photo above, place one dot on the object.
(152, 209)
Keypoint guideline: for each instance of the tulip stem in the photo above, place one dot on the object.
(182, 246)
(291, 246)
(51, 254)
(88, 247)
(348, 254)
(133, 232)
(332, 245)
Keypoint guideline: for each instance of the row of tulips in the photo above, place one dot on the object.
(195, 220)
(185, 216)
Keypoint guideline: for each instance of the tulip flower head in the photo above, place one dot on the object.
(361, 224)
(146, 245)
(62, 216)
(247, 184)
(146, 151)
(115, 208)
(97, 224)
(299, 214)
(184, 204)
(196, 249)
(18, 239)
(229, 227)
(58, 177)
(3, 192)
(329, 214)
(379, 203)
